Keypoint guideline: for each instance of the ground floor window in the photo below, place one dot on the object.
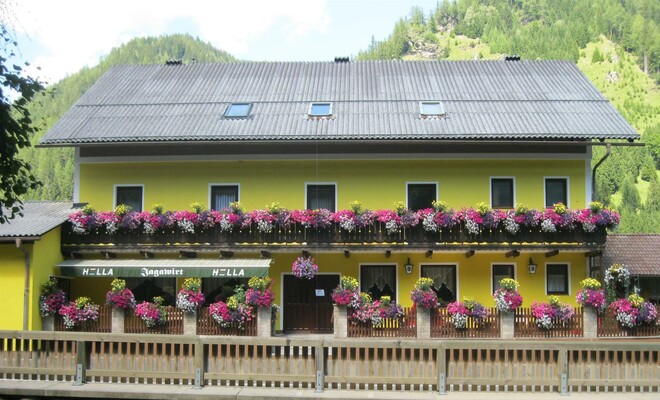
(378, 280)
(220, 289)
(145, 289)
(501, 271)
(557, 279)
(444, 281)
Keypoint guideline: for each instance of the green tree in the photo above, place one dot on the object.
(16, 127)
(653, 195)
(630, 200)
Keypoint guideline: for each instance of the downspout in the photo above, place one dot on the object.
(608, 149)
(26, 290)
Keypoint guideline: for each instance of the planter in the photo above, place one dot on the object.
(118, 320)
(590, 322)
(264, 321)
(507, 324)
(340, 321)
(423, 323)
(48, 323)
(190, 323)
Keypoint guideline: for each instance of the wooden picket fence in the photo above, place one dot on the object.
(206, 325)
(526, 327)
(442, 325)
(173, 326)
(608, 326)
(404, 327)
(102, 324)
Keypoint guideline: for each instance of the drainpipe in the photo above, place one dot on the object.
(608, 149)
(26, 290)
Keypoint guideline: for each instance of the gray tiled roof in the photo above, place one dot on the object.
(39, 218)
(371, 100)
(637, 252)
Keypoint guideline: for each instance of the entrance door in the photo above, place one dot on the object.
(307, 303)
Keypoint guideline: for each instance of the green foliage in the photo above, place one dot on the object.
(597, 56)
(653, 196)
(55, 166)
(16, 176)
(630, 200)
(652, 140)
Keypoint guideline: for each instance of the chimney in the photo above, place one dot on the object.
(341, 59)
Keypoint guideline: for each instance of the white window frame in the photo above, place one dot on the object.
(445, 264)
(437, 189)
(568, 280)
(210, 191)
(568, 189)
(382, 264)
(309, 110)
(421, 107)
(307, 184)
(121, 185)
(224, 115)
(490, 189)
(492, 268)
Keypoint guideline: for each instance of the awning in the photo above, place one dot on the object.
(174, 268)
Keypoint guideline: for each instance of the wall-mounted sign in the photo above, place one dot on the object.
(320, 292)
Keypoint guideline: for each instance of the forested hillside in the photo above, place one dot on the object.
(54, 166)
(615, 43)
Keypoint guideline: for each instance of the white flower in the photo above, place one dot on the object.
(78, 228)
(148, 228)
(111, 227)
(459, 320)
(511, 225)
(472, 227)
(392, 227)
(548, 226)
(347, 224)
(429, 223)
(544, 322)
(225, 225)
(264, 226)
(186, 226)
(588, 226)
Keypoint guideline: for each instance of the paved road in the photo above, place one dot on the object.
(31, 389)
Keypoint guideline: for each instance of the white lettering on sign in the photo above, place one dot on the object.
(97, 272)
(156, 272)
(222, 272)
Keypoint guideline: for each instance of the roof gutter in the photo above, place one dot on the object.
(608, 150)
(26, 289)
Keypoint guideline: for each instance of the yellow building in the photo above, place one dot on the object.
(323, 135)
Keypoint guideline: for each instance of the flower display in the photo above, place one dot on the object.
(51, 298)
(79, 311)
(547, 314)
(507, 298)
(232, 314)
(347, 292)
(617, 282)
(119, 296)
(590, 294)
(152, 314)
(190, 296)
(373, 312)
(460, 311)
(423, 295)
(259, 293)
(634, 311)
(304, 267)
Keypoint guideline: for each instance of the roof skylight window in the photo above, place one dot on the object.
(320, 109)
(431, 108)
(238, 110)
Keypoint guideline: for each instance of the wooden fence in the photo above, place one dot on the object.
(525, 325)
(608, 326)
(173, 326)
(442, 325)
(102, 324)
(389, 327)
(384, 364)
(206, 325)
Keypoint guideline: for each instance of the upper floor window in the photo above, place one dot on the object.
(556, 191)
(320, 109)
(431, 108)
(238, 110)
(222, 196)
(501, 271)
(129, 195)
(557, 279)
(421, 195)
(502, 193)
(321, 196)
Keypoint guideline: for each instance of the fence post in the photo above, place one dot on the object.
(441, 362)
(199, 363)
(118, 318)
(264, 321)
(507, 324)
(81, 363)
(562, 361)
(590, 322)
(320, 368)
(423, 323)
(340, 321)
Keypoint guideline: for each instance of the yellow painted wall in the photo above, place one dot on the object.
(46, 256)
(12, 282)
(377, 184)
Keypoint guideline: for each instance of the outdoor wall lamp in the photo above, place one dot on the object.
(409, 267)
(532, 266)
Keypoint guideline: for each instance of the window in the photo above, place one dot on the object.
(378, 280)
(444, 280)
(321, 196)
(222, 196)
(220, 289)
(145, 289)
(431, 108)
(502, 192)
(557, 279)
(556, 191)
(320, 109)
(130, 196)
(238, 110)
(421, 195)
(501, 271)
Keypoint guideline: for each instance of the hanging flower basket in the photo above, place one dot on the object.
(304, 267)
